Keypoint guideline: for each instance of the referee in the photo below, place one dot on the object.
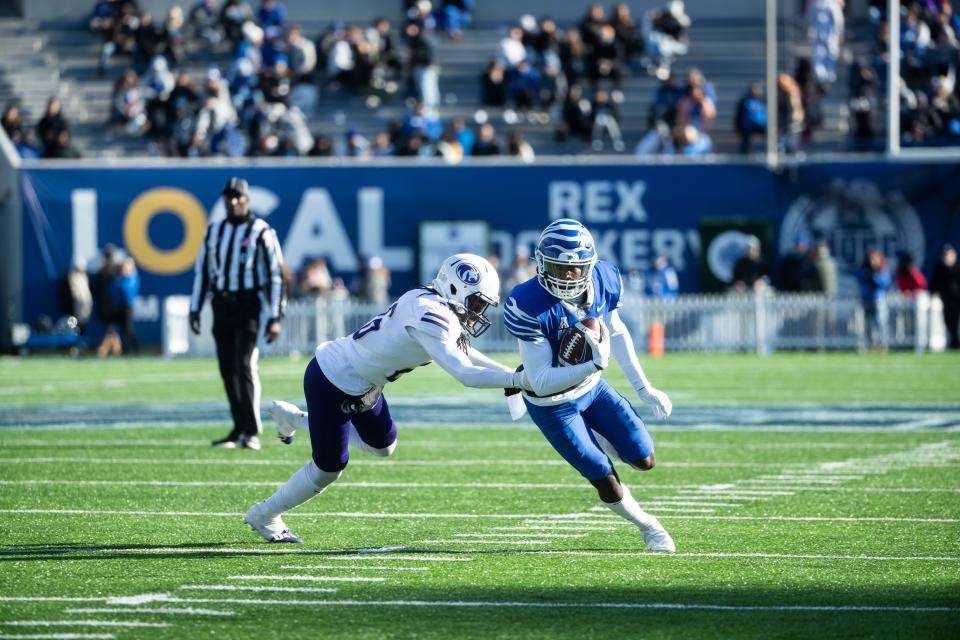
(239, 266)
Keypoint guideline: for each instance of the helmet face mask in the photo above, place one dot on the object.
(470, 285)
(565, 256)
(473, 319)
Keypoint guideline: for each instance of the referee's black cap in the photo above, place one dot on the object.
(236, 186)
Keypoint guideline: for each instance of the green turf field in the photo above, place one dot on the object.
(809, 496)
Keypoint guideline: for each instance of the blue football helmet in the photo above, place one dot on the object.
(564, 245)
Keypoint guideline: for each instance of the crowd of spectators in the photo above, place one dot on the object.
(929, 97)
(574, 77)
(259, 102)
(271, 76)
(49, 138)
(106, 292)
(371, 280)
(681, 117)
(809, 268)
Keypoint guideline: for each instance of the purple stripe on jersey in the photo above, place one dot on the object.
(436, 316)
(432, 321)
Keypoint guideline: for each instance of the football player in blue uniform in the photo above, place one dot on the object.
(578, 412)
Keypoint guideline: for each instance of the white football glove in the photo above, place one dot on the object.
(521, 380)
(599, 346)
(656, 400)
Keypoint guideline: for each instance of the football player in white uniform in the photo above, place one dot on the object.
(585, 419)
(343, 384)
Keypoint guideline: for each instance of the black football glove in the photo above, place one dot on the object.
(512, 391)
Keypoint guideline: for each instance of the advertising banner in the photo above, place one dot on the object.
(348, 214)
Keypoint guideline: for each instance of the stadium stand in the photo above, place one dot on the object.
(44, 59)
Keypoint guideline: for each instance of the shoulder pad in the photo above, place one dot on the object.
(435, 318)
(520, 323)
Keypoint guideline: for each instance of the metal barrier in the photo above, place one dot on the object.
(724, 323)
(770, 322)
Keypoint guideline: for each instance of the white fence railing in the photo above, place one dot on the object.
(761, 323)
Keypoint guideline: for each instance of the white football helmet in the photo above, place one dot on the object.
(564, 245)
(470, 285)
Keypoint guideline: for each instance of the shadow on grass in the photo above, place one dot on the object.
(92, 551)
(238, 548)
(465, 600)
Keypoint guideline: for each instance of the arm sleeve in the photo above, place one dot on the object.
(621, 348)
(457, 364)
(479, 359)
(545, 379)
(273, 257)
(201, 276)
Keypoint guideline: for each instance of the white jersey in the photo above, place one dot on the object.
(385, 348)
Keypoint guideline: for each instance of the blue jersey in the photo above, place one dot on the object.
(532, 313)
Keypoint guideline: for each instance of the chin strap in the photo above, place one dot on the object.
(463, 342)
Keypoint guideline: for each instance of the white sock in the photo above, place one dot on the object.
(309, 481)
(628, 509)
(357, 443)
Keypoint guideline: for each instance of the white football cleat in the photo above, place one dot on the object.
(287, 416)
(271, 528)
(656, 537)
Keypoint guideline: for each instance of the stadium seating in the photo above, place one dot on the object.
(57, 58)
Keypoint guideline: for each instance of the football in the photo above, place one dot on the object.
(573, 346)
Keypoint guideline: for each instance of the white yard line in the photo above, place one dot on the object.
(813, 480)
(377, 555)
(335, 567)
(74, 423)
(137, 600)
(685, 502)
(49, 599)
(499, 541)
(310, 578)
(109, 442)
(675, 509)
(374, 485)
(821, 518)
(234, 587)
(417, 516)
(734, 487)
(57, 636)
(836, 476)
(597, 523)
(536, 527)
(499, 462)
(806, 477)
(520, 535)
(573, 605)
(735, 491)
(188, 611)
(859, 489)
(86, 623)
(455, 443)
(774, 556)
(701, 495)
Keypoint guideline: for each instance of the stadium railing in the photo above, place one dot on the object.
(724, 323)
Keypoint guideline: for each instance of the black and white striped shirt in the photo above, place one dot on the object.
(237, 258)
